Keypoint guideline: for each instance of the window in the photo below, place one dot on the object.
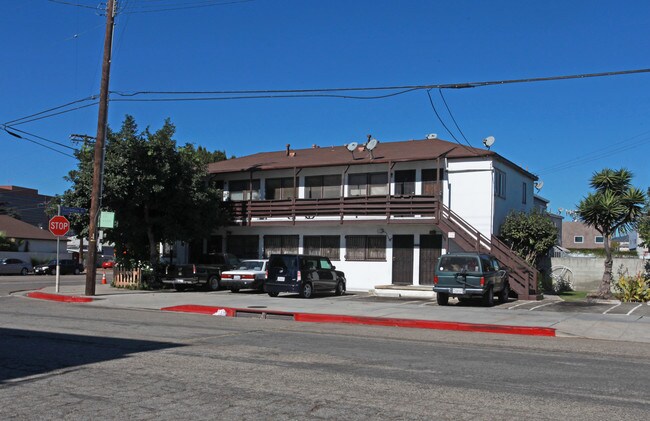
(599, 239)
(280, 244)
(430, 181)
(374, 184)
(244, 189)
(366, 247)
(578, 239)
(405, 182)
(243, 246)
(279, 188)
(524, 193)
(323, 186)
(323, 245)
(500, 183)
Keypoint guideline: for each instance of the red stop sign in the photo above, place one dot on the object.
(59, 225)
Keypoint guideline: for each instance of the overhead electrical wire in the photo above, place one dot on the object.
(441, 120)
(174, 6)
(452, 118)
(19, 120)
(16, 135)
(36, 136)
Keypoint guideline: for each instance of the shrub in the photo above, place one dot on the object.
(632, 288)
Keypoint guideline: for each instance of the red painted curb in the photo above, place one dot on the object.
(60, 298)
(373, 321)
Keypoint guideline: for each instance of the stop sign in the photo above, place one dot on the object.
(59, 225)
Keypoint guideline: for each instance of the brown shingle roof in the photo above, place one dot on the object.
(13, 228)
(410, 150)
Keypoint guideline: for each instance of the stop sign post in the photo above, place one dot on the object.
(59, 226)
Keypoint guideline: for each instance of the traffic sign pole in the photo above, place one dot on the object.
(58, 241)
(59, 226)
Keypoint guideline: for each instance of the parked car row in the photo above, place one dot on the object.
(13, 266)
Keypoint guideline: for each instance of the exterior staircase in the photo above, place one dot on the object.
(522, 276)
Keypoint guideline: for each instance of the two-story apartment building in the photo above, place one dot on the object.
(382, 216)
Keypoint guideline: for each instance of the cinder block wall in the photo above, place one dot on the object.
(588, 271)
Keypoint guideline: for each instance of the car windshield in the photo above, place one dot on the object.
(250, 265)
(51, 262)
(459, 264)
(3, 261)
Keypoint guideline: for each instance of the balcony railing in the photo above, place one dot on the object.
(377, 206)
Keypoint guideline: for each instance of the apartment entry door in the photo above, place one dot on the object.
(403, 259)
(430, 250)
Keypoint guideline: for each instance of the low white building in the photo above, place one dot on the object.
(383, 216)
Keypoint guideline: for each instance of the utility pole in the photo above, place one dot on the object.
(100, 148)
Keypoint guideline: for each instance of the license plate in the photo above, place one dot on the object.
(179, 281)
(457, 291)
(280, 278)
(236, 277)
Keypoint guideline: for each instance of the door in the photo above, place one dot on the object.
(403, 259)
(430, 251)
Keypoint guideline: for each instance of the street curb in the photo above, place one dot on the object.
(373, 321)
(59, 298)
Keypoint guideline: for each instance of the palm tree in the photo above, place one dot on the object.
(613, 207)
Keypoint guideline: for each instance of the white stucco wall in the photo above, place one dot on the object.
(514, 195)
(469, 192)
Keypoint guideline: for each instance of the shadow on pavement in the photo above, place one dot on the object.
(28, 353)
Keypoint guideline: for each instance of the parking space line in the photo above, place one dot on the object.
(611, 308)
(543, 305)
(630, 312)
(517, 305)
(426, 303)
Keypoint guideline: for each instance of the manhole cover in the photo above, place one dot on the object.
(256, 307)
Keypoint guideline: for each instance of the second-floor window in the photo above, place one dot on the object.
(599, 239)
(499, 183)
(431, 178)
(373, 184)
(405, 182)
(323, 186)
(578, 239)
(279, 188)
(244, 189)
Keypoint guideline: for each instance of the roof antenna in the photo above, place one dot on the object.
(371, 144)
(351, 147)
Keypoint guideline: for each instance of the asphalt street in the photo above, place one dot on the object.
(73, 361)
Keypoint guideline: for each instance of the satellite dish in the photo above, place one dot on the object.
(488, 141)
(431, 136)
(352, 146)
(372, 144)
(539, 185)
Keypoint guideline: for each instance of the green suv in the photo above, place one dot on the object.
(470, 275)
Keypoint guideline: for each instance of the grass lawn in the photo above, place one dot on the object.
(573, 295)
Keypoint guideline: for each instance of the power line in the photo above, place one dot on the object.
(440, 119)
(177, 6)
(452, 117)
(36, 136)
(92, 97)
(68, 3)
(37, 143)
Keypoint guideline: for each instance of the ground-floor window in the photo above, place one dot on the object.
(323, 245)
(280, 244)
(244, 246)
(365, 247)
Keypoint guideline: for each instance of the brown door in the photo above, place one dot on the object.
(403, 259)
(430, 250)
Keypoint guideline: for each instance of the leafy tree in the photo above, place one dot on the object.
(160, 192)
(5, 209)
(531, 235)
(643, 227)
(613, 207)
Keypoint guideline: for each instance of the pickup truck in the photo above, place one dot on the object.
(206, 274)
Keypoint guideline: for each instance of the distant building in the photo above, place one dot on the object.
(28, 203)
(27, 237)
(577, 235)
(541, 204)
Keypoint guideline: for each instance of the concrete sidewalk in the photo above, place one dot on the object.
(352, 309)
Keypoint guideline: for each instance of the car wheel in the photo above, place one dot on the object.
(340, 289)
(273, 294)
(76, 271)
(488, 298)
(180, 288)
(307, 290)
(235, 290)
(503, 295)
(24, 271)
(442, 299)
(213, 283)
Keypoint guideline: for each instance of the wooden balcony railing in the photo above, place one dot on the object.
(382, 206)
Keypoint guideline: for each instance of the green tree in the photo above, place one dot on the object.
(531, 235)
(643, 227)
(613, 207)
(5, 209)
(160, 192)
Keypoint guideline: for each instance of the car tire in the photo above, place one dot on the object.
(76, 271)
(442, 299)
(24, 271)
(213, 283)
(340, 289)
(273, 294)
(503, 295)
(180, 288)
(307, 291)
(488, 297)
(234, 290)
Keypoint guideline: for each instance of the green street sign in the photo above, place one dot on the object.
(106, 219)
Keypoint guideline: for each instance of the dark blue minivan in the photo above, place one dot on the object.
(302, 274)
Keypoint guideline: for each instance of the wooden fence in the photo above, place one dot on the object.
(126, 278)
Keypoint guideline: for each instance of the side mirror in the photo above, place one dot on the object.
(333, 267)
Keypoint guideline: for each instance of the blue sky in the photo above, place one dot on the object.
(562, 131)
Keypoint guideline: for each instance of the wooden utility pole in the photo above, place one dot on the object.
(98, 164)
